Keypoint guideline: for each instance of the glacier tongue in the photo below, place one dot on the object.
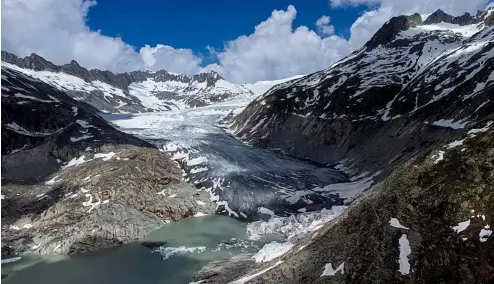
(245, 182)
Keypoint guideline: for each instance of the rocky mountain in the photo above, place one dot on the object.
(414, 83)
(412, 109)
(72, 183)
(136, 91)
(428, 222)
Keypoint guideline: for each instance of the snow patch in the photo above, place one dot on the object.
(455, 143)
(271, 251)
(485, 233)
(75, 162)
(479, 130)
(330, 271)
(84, 124)
(440, 157)
(395, 223)
(405, 251)
(105, 157)
(90, 203)
(451, 123)
(227, 208)
(462, 226)
(84, 137)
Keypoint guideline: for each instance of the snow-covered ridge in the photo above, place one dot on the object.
(465, 31)
(67, 82)
(129, 92)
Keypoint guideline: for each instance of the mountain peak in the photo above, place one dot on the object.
(441, 16)
(209, 77)
(74, 63)
(390, 29)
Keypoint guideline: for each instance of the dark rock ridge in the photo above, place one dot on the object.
(118, 80)
(72, 183)
(384, 103)
(389, 30)
(440, 16)
(118, 96)
(41, 125)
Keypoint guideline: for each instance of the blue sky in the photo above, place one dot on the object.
(197, 24)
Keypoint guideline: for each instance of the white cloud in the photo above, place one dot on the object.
(175, 60)
(57, 30)
(323, 26)
(276, 50)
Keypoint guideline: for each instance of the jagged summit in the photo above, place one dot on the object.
(390, 29)
(388, 32)
(441, 16)
(210, 77)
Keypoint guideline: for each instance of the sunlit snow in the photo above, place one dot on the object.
(330, 271)
(395, 223)
(405, 251)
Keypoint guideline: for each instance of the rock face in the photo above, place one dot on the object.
(408, 88)
(129, 92)
(72, 183)
(41, 125)
(428, 222)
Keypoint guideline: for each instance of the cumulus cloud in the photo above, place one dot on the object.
(276, 50)
(57, 30)
(323, 25)
(175, 60)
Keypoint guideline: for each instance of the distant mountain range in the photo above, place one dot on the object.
(137, 91)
